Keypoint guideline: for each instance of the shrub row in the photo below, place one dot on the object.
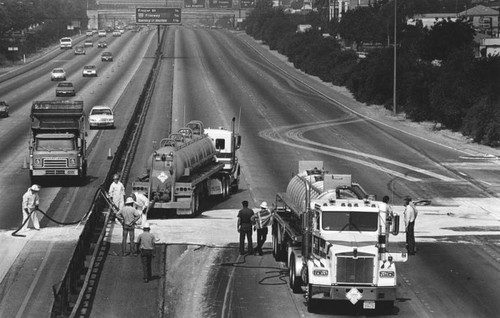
(461, 92)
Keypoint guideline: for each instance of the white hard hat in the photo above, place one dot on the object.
(129, 200)
(35, 187)
(146, 226)
(263, 205)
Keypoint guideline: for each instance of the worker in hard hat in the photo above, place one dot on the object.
(117, 192)
(141, 205)
(31, 200)
(127, 216)
(146, 244)
(261, 220)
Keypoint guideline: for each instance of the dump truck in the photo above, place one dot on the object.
(334, 240)
(189, 166)
(57, 146)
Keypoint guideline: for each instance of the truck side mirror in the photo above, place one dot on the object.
(79, 143)
(395, 225)
(238, 142)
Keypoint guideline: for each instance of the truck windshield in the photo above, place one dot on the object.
(55, 144)
(350, 221)
(101, 112)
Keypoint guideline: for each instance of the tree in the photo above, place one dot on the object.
(445, 37)
(361, 25)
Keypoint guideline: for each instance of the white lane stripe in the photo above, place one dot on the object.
(301, 131)
(39, 272)
(347, 158)
(295, 133)
(228, 294)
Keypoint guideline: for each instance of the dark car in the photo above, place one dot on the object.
(80, 50)
(4, 109)
(65, 89)
(107, 57)
(102, 44)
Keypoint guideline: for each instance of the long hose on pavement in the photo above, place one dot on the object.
(102, 192)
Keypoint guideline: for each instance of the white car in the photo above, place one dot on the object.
(58, 74)
(101, 116)
(89, 70)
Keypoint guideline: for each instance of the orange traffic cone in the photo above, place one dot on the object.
(110, 155)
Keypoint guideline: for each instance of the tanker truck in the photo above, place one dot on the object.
(193, 164)
(334, 240)
(57, 145)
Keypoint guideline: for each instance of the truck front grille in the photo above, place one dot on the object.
(55, 163)
(355, 271)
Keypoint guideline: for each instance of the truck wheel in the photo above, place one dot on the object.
(311, 303)
(225, 187)
(33, 179)
(84, 171)
(195, 204)
(385, 306)
(275, 247)
(279, 253)
(295, 281)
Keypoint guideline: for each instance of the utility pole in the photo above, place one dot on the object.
(394, 80)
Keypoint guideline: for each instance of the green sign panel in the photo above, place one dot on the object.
(158, 15)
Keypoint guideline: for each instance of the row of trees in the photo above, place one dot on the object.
(439, 78)
(33, 24)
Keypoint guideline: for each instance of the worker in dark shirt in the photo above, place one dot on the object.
(244, 227)
(146, 244)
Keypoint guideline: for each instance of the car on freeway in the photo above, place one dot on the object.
(58, 74)
(65, 89)
(102, 44)
(80, 50)
(101, 116)
(89, 33)
(4, 109)
(88, 43)
(107, 57)
(102, 33)
(117, 33)
(89, 70)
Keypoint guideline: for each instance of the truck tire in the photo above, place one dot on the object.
(33, 179)
(84, 171)
(195, 204)
(226, 187)
(279, 251)
(385, 307)
(295, 281)
(311, 303)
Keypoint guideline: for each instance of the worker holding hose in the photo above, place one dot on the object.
(31, 200)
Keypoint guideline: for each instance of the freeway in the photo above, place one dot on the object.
(63, 203)
(285, 116)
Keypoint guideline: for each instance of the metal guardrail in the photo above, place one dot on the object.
(68, 293)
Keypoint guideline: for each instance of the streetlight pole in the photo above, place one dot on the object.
(394, 79)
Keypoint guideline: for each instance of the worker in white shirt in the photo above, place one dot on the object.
(141, 205)
(117, 192)
(410, 215)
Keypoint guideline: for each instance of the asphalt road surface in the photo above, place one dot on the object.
(283, 116)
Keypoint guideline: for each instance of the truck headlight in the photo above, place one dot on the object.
(320, 272)
(72, 161)
(37, 162)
